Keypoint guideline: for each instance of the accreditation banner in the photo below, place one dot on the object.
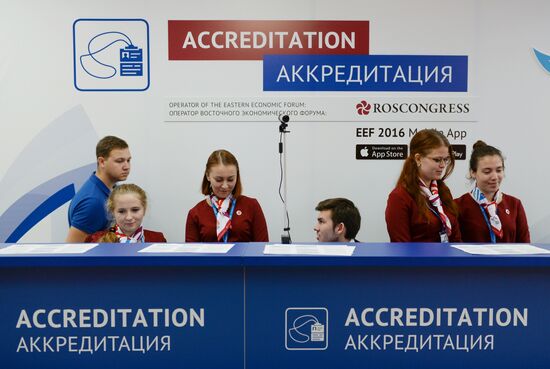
(121, 317)
(397, 318)
(251, 39)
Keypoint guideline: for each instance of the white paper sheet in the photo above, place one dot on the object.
(193, 248)
(502, 249)
(65, 248)
(297, 249)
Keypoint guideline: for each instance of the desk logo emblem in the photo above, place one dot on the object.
(306, 328)
(111, 54)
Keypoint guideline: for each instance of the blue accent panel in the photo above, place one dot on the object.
(52, 203)
(422, 73)
(543, 59)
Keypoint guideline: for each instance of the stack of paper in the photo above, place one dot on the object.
(65, 248)
(297, 249)
(502, 249)
(192, 248)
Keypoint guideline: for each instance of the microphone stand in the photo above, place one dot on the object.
(285, 236)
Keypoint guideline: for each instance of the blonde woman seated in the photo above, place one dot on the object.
(127, 204)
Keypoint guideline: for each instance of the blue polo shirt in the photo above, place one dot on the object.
(87, 211)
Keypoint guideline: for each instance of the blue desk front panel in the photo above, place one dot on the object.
(277, 297)
(283, 303)
(211, 339)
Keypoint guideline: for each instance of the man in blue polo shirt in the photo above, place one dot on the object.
(87, 212)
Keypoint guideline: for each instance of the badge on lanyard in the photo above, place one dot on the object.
(443, 233)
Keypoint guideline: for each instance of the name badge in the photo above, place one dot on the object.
(444, 237)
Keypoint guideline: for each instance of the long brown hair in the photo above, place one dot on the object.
(422, 143)
(127, 188)
(223, 157)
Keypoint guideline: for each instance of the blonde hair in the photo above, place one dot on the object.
(124, 189)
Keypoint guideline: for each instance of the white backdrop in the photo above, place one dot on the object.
(509, 87)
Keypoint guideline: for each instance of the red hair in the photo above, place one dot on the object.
(223, 157)
(422, 143)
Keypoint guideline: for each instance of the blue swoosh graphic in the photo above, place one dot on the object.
(544, 59)
(52, 203)
(41, 201)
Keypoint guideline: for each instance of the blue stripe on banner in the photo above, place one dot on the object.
(47, 207)
(445, 73)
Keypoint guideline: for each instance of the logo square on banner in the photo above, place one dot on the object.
(306, 328)
(111, 54)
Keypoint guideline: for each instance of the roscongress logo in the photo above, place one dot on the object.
(111, 54)
(306, 328)
(365, 108)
